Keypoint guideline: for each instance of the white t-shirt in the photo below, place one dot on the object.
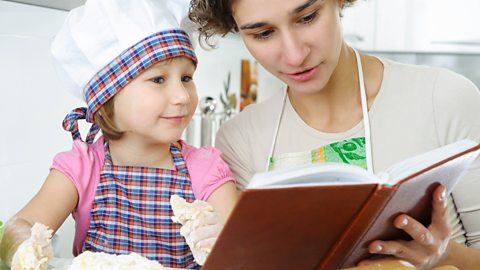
(417, 109)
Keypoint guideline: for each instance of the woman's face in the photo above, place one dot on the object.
(298, 41)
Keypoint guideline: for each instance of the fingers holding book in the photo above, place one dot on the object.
(428, 245)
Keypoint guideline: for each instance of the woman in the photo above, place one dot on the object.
(336, 97)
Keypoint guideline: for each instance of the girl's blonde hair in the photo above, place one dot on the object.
(104, 120)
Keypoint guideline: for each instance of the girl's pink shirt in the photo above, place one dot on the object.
(83, 164)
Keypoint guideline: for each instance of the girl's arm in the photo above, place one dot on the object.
(223, 199)
(209, 225)
(55, 200)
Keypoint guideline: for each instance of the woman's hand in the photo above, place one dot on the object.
(429, 245)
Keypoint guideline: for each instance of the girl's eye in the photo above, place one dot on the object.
(263, 35)
(186, 78)
(158, 80)
(309, 18)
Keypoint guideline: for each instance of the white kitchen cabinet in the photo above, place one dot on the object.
(393, 21)
(451, 26)
(358, 24)
(438, 26)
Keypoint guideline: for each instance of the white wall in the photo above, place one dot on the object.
(32, 107)
(33, 104)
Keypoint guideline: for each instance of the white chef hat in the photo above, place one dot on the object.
(104, 44)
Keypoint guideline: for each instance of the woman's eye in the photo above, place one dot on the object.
(309, 18)
(186, 78)
(158, 80)
(263, 35)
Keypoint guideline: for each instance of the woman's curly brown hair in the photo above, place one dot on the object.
(214, 17)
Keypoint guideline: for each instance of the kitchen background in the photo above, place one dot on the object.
(32, 104)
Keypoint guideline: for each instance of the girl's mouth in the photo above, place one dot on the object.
(174, 119)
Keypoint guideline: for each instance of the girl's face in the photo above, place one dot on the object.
(157, 105)
(298, 41)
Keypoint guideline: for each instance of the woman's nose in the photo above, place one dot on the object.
(295, 50)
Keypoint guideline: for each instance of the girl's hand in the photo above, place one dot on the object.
(429, 245)
(36, 251)
(54, 202)
(201, 225)
(206, 230)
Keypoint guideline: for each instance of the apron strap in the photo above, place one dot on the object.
(277, 128)
(366, 118)
(178, 159)
(70, 124)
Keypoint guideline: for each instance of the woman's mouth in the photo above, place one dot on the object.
(303, 75)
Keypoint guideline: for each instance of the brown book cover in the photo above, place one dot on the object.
(327, 226)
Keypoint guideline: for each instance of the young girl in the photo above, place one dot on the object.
(134, 65)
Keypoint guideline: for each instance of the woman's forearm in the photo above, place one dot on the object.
(461, 256)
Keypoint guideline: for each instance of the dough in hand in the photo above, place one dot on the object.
(186, 214)
(35, 252)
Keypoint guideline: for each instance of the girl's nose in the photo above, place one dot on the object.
(180, 93)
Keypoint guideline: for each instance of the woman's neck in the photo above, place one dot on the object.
(126, 152)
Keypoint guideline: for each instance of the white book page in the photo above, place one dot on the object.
(405, 168)
(329, 173)
(313, 175)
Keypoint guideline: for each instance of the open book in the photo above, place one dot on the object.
(342, 174)
(323, 216)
